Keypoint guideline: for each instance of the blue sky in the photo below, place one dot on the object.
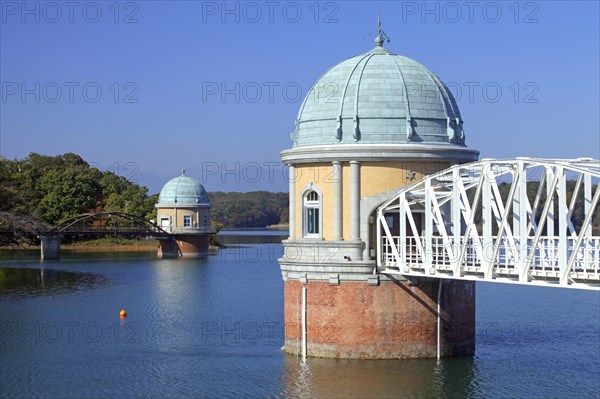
(137, 87)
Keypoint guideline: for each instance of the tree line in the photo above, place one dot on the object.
(44, 190)
(251, 209)
(40, 191)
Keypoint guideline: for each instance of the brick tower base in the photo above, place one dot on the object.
(393, 320)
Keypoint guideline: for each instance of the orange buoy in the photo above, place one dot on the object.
(123, 313)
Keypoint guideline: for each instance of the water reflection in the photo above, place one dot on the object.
(455, 377)
(16, 254)
(177, 286)
(212, 327)
(31, 282)
(410, 379)
(28, 256)
(241, 237)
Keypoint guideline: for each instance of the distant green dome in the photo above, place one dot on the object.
(183, 191)
(379, 97)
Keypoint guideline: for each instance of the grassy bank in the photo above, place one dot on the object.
(105, 244)
(100, 245)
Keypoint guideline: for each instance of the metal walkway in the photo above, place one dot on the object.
(527, 221)
(105, 224)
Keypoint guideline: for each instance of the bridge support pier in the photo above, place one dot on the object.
(167, 248)
(50, 247)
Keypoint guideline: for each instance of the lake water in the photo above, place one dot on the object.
(213, 327)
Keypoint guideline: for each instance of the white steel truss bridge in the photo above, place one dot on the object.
(528, 221)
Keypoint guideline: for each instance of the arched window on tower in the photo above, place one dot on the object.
(311, 214)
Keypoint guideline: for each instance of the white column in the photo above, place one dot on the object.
(292, 218)
(355, 200)
(486, 220)
(550, 198)
(428, 228)
(457, 226)
(520, 224)
(337, 201)
(587, 201)
(562, 221)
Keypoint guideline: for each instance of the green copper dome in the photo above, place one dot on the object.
(379, 98)
(183, 191)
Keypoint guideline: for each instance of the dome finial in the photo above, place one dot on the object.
(381, 36)
(182, 172)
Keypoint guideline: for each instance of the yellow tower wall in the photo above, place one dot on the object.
(181, 212)
(376, 178)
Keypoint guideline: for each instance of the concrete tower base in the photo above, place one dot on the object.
(391, 320)
(168, 249)
(50, 247)
(188, 245)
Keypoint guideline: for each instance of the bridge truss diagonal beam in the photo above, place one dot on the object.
(105, 223)
(524, 220)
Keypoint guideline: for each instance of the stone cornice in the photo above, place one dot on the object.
(379, 152)
(181, 206)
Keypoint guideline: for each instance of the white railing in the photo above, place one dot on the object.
(490, 220)
(407, 257)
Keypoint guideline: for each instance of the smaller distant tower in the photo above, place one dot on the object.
(183, 210)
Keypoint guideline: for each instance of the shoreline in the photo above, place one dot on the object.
(278, 227)
(144, 247)
(108, 246)
(89, 248)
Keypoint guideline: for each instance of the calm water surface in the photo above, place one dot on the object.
(213, 327)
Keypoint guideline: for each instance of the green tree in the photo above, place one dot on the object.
(252, 209)
(68, 192)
